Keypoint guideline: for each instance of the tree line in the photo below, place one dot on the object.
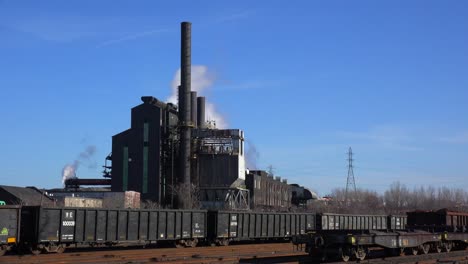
(397, 199)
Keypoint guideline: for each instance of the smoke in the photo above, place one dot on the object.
(69, 170)
(251, 155)
(202, 81)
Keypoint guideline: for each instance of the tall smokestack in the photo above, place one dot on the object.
(185, 110)
(193, 103)
(201, 111)
(185, 74)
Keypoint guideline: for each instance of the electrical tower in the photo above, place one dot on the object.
(350, 183)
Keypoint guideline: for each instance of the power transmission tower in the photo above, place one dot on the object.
(350, 183)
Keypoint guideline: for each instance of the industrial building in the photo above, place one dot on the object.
(173, 157)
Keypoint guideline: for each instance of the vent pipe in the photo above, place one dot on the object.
(193, 103)
(201, 112)
(185, 122)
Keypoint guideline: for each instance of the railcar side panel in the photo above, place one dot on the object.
(101, 221)
(9, 225)
(132, 225)
(122, 225)
(49, 225)
(270, 225)
(153, 226)
(143, 226)
(112, 223)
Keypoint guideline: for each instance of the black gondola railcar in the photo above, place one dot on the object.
(53, 229)
(441, 220)
(9, 227)
(226, 226)
(452, 225)
(330, 222)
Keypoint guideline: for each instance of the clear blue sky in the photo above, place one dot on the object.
(304, 79)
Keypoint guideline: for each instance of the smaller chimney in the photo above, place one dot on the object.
(193, 98)
(201, 112)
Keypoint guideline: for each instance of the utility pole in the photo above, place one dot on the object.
(350, 183)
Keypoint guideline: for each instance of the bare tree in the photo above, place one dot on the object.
(188, 195)
(398, 199)
(148, 204)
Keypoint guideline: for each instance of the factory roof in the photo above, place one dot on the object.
(24, 195)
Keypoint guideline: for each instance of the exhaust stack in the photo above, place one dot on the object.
(201, 112)
(185, 109)
(193, 103)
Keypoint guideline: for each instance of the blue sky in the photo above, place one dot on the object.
(305, 80)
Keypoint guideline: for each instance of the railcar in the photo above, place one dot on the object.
(9, 227)
(227, 226)
(348, 222)
(54, 229)
(352, 236)
(441, 220)
(349, 236)
(451, 225)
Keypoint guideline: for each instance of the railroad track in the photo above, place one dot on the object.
(229, 254)
(250, 253)
(458, 257)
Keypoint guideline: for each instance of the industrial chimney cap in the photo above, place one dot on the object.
(148, 99)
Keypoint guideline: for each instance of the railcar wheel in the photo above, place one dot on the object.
(414, 251)
(35, 251)
(223, 242)
(345, 253)
(60, 249)
(192, 243)
(179, 244)
(437, 247)
(3, 250)
(361, 253)
(448, 246)
(425, 248)
(401, 252)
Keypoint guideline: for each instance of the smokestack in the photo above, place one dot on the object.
(201, 112)
(185, 73)
(185, 109)
(193, 103)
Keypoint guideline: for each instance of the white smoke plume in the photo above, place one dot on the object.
(202, 81)
(69, 170)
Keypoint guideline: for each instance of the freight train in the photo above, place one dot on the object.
(40, 229)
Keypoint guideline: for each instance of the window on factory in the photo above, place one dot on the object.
(145, 132)
(145, 169)
(125, 169)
